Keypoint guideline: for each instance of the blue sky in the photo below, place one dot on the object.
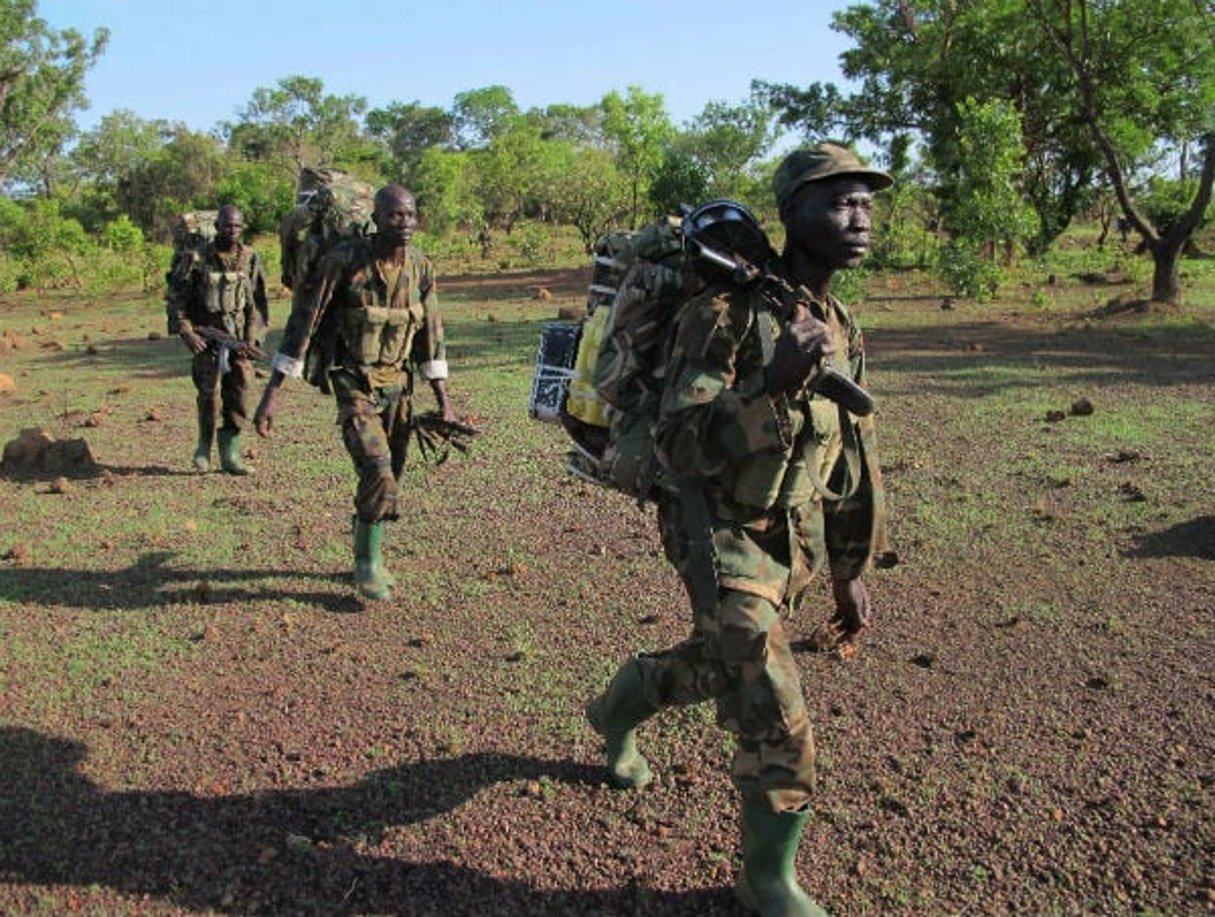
(199, 62)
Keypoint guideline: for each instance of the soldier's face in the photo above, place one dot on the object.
(228, 228)
(830, 221)
(396, 217)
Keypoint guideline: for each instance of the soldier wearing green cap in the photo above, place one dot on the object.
(773, 484)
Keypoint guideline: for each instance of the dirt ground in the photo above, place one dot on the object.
(1027, 729)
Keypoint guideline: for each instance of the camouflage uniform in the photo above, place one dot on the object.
(358, 327)
(762, 496)
(225, 290)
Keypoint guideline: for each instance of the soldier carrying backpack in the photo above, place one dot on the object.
(364, 322)
(764, 482)
(216, 294)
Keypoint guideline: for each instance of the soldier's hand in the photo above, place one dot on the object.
(195, 342)
(800, 351)
(263, 418)
(853, 609)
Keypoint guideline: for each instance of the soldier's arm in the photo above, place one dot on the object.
(177, 292)
(308, 305)
(261, 302)
(705, 421)
(430, 344)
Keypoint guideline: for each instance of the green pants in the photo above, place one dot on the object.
(222, 395)
(373, 423)
(738, 655)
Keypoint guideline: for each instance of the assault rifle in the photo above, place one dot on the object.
(435, 436)
(234, 344)
(829, 382)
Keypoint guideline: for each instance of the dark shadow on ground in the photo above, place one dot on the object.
(99, 471)
(1195, 538)
(280, 851)
(959, 362)
(164, 358)
(149, 583)
(962, 358)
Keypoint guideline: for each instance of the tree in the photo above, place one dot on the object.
(101, 158)
(259, 190)
(637, 126)
(590, 194)
(481, 114)
(510, 171)
(41, 85)
(445, 186)
(680, 178)
(725, 139)
(295, 124)
(917, 61)
(578, 124)
(182, 175)
(1163, 99)
(408, 129)
(989, 217)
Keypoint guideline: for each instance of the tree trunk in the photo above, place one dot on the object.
(1166, 274)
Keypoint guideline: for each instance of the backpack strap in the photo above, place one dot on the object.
(786, 301)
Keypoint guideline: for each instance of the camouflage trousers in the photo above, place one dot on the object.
(221, 395)
(738, 654)
(374, 430)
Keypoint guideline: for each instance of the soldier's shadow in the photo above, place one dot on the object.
(150, 583)
(279, 852)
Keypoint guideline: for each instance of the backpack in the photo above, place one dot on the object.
(190, 232)
(622, 351)
(332, 205)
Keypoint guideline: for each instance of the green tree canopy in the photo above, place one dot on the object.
(481, 114)
(295, 124)
(41, 85)
(638, 127)
(408, 129)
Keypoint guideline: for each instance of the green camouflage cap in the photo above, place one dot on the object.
(827, 160)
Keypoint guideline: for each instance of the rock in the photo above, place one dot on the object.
(35, 453)
(7, 385)
(18, 554)
(1054, 416)
(1082, 407)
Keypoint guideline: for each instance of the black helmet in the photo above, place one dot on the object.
(727, 228)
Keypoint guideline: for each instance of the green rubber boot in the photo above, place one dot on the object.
(615, 714)
(369, 573)
(229, 452)
(378, 560)
(768, 882)
(206, 438)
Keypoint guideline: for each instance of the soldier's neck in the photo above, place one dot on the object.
(389, 252)
(804, 272)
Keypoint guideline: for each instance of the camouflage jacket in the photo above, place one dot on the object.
(209, 288)
(345, 315)
(758, 463)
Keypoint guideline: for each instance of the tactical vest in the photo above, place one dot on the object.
(225, 294)
(377, 327)
(821, 432)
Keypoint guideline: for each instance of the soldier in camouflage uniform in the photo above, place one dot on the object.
(361, 323)
(771, 484)
(220, 285)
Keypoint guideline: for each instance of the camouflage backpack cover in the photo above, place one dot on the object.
(650, 274)
(190, 232)
(331, 205)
